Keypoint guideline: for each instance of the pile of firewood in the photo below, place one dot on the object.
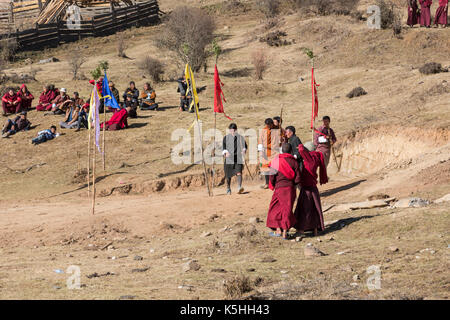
(56, 8)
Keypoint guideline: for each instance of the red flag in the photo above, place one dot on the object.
(218, 94)
(315, 99)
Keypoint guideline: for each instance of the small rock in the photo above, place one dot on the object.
(298, 239)
(140, 269)
(152, 250)
(113, 258)
(56, 287)
(225, 229)
(69, 255)
(330, 239)
(268, 260)
(283, 271)
(219, 270)
(394, 249)
(205, 234)
(138, 258)
(191, 265)
(311, 251)
(356, 277)
(354, 284)
(319, 240)
(254, 220)
(251, 270)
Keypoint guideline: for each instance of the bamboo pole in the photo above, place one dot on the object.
(200, 133)
(93, 181)
(104, 132)
(89, 162)
(214, 151)
(313, 101)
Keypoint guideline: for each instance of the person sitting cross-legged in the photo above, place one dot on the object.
(148, 97)
(11, 103)
(132, 104)
(18, 124)
(45, 135)
(26, 96)
(60, 103)
(72, 116)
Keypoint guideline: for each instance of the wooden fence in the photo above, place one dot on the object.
(53, 34)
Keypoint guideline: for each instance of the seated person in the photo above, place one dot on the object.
(72, 115)
(26, 96)
(114, 91)
(82, 118)
(48, 94)
(11, 103)
(59, 104)
(45, 135)
(118, 120)
(77, 100)
(148, 97)
(19, 123)
(132, 104)
(133, 91)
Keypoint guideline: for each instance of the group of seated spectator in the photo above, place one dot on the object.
(58, 102)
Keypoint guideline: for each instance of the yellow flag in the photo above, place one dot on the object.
(191, 84)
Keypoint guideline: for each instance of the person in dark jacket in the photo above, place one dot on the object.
(234, 147)
(18, 124)
(294, 141)
(133, 92)
(185, 96)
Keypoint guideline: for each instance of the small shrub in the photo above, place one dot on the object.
(270, 8)
(274, 39)
(8, 49)
(122, 45)
(236, 287)
(153, 68)
(260, 62)
(327, 7)
(356, 92)
(387, 13)
(431, 68)
(99, 70)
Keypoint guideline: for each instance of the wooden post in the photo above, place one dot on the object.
(313, 101)
(214, 152)
(93, 178)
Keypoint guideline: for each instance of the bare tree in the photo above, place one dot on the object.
(260, 62)
(76, 60)
(188, 32)
(122, 45)
(153, 67)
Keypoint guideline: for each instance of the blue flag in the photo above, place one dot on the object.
(110, 100)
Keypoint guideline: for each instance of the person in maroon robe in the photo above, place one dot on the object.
(26, 96)
(48, 94)
(425, 13)
(118, 120)
(284, 177)
(441, 17)
(11, 103)
(324, 139)
(308, 211)
(413, 16)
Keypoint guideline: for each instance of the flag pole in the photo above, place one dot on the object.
(93, 167)
(89, 162)
(214, 151)
(199, 132)
(313, 121)
(104, 132)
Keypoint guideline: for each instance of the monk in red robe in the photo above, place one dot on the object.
(26, 96)
(309, 209)
(441, 16)
(48, 94)
(11, 103)
(425, 13)
(118, 120)
(324, 139)
(413, 16)
(284, 177)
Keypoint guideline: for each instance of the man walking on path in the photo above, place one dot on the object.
(324, 139)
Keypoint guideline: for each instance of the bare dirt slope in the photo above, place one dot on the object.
(394, 140)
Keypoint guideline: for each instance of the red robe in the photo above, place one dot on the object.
(308, 211)
(413, 15)
(118, 121)
(441, 16)
(8, 103)
(425, 13)
(45, 100)
(286, 175)
(27, 97)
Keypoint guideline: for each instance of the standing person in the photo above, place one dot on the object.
(48, 94)
(278, 126)
(133, 92)
(294, 141)
(324, 139)
(413, 16)
(308, 211)
(26, 96)
(425, 13)
(45, 135)
(234, 148)
(268, 147)
(283, 181)
(18, 124)
(11, 103)
(441, 14)
(185, 96)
